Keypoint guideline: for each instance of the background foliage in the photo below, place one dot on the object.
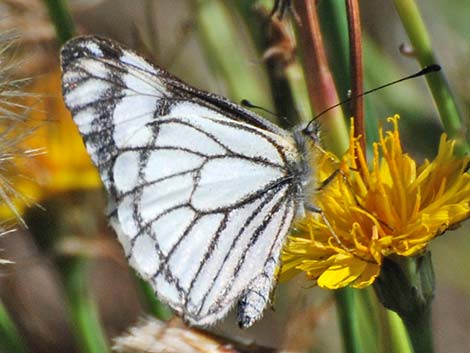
(216, 46)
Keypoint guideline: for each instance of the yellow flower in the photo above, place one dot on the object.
(65, 164)
(394, 208)
(59, 161)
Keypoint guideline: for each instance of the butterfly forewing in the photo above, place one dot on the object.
(202, 191)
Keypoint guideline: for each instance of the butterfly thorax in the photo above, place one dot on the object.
(307, 143)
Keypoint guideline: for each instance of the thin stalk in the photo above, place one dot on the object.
(406, 286)
(398, 336)
(287, 82)
(335, 30)
(323, 94)
(52, 235)
(298, 87)
(334, 24)
(367, 309)
(356, 69)
(85, 320)
(420, 332)
(10, 339)
(320, 81)
(156, 307)
(348, 321)
(61, 18)
(279, 54)
(445, 102)
(420, 274)
(226, 50)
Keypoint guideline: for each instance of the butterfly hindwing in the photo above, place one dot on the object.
(202, 191)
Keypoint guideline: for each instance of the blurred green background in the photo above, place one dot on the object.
(213, 45)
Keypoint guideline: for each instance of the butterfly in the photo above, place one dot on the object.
(202, 191)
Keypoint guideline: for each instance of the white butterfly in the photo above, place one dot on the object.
(202, 191)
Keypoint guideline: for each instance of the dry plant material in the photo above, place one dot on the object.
(154, 336)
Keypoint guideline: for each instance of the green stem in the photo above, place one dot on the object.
(156, 308)
(420, 332)
(10, 339)
(320, 84)
(418, 35)
(348, 320)
(406, 286)
(86, 323)
(356, 68)
(418, 321)
(334, 26)
(335, 30)
(398, 336)
(61, 18)
(220, 37)
(278, 71)
(298, 88)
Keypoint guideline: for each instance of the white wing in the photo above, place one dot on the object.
(203, 191)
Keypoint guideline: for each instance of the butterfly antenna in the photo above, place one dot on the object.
(248, 104)
(426, 70)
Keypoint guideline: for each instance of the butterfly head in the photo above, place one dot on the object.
(311, 131)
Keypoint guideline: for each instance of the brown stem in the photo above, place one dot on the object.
(320, 83)
(319, 79)
(357, 83)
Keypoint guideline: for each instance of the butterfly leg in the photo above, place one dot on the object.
(314, 209)
(328, 180)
